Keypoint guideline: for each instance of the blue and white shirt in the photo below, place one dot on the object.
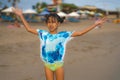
(53, 45)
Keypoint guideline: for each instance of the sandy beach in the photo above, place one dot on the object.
(93, 56)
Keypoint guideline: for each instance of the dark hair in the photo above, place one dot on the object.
(59, 19)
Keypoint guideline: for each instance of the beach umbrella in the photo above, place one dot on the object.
(8, 10)
(87, 12)
(29, 11)
(83, 15)
(98, 14)
(43, 13)
(92, 13)
(74, 14)
(80, 12)
(62, 14)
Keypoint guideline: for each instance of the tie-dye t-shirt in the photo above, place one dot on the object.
(53, 45)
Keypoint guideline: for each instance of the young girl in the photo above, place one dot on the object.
(53, 43)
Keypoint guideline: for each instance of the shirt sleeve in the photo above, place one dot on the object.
(40, 33)
(67, 35)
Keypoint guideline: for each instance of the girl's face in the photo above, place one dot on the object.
(52, 24)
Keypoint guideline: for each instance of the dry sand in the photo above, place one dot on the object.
(93, 56)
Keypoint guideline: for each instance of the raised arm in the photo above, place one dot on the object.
(18, 12)
(97, 23)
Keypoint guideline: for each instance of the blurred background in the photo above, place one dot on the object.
(93, 56)
(65, 8)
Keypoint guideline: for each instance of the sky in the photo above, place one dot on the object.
(103, 4)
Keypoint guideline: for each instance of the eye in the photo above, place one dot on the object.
(53, 22)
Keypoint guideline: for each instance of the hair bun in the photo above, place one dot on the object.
(60, 19)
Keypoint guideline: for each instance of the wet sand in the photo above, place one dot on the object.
(93, 56)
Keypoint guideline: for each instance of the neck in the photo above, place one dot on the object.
(53, 32)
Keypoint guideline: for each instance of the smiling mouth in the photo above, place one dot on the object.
(51, 28)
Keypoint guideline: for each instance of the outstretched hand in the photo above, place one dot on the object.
(101, 21)
(17, 11)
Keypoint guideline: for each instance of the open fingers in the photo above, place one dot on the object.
(104, 18)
